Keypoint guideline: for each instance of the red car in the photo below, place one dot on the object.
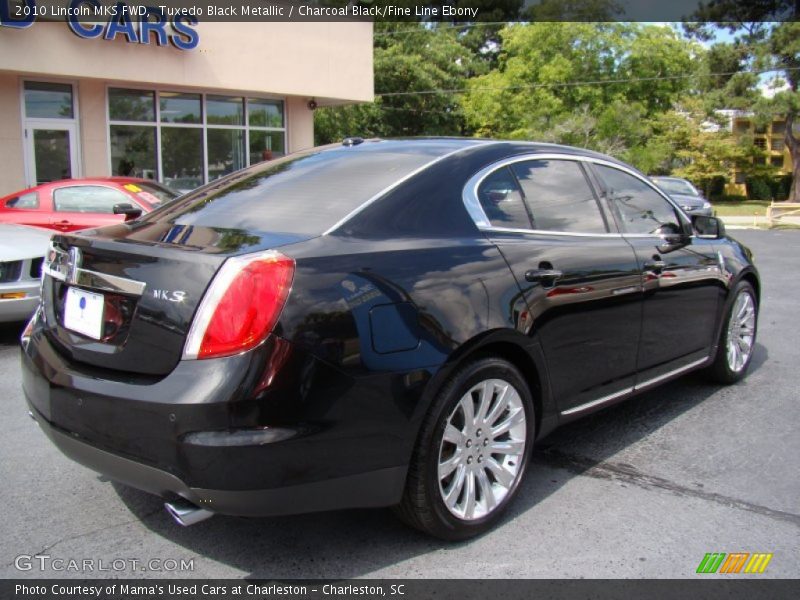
(72, 204)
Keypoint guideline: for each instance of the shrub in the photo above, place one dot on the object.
(759, 188)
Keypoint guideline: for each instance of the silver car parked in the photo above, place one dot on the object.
(22, 251)
(685, 195)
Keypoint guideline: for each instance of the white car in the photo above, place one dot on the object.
(22, 251)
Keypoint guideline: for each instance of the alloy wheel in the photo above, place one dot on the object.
(741, 331)
(482, 449)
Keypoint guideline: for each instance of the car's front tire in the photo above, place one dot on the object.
(738, 336)
(472, 451)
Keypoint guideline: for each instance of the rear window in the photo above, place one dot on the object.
(299, 194)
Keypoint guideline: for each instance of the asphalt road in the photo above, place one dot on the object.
(643, 489)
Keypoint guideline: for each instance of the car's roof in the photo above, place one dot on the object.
(451, 144)
(664, 178)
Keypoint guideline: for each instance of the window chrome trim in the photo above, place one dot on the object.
(472, 203)
(58, 265)
(364, 205)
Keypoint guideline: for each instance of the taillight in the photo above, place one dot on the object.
(241, 306)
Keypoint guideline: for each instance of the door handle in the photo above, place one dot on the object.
(547, 275)
(64, 225)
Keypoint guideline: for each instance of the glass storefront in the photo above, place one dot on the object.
(185, 139)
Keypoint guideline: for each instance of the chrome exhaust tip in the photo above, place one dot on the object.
(185, 513)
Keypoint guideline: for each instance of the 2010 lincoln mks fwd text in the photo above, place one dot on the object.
(377, 323)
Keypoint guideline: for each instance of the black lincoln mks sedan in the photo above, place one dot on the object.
(376, 323)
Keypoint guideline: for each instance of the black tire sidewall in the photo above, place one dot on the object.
(489, 368)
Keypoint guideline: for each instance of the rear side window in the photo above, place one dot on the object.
(559, 197)
(502, 202)
(27, 201)
(299, 194)
(88, 199)
(640, 208)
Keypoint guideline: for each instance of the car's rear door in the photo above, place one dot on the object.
(579, 277)
(681, 275)
(83, 206)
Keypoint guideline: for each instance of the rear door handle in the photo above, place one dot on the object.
(543, 275)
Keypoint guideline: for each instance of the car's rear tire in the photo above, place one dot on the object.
(738, 336)
(472, 451)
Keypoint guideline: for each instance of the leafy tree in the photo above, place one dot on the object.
(416, 57)
(769, 33)
(587, 82)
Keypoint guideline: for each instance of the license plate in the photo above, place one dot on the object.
(83, 312)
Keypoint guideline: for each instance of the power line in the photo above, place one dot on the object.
(579, 83)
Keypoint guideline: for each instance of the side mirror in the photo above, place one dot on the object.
(129, 210)
(709, 228)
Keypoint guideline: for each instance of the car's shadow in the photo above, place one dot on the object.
(352, 543)
(10, 332)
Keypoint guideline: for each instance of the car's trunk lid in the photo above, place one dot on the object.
(152, 277)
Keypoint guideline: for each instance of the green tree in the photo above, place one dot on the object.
(595, 84)
(770, 35)
(417, 68)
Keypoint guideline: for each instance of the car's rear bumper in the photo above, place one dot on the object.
(377, 488)
(137, 432)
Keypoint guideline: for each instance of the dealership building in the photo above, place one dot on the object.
(183, 104)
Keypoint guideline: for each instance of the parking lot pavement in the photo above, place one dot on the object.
(643, 489)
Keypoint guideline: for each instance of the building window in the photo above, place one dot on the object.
(778, 144)
(186, 139)
(776, 161)
(760, 143)
(48, 100)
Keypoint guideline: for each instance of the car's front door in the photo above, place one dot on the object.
(681, 275)
(580, 278)
(81, 206)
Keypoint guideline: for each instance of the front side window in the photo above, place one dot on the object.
(640, 208)
(502, 201)
(88, 199)
(559, 197)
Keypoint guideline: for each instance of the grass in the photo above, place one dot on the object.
(743, 208)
